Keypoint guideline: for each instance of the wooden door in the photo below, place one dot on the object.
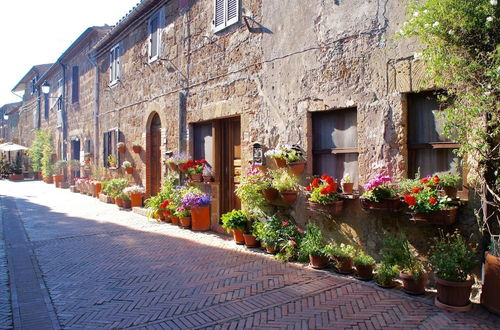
(230, 162)
(155, 156)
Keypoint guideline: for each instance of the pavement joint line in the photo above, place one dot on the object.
(17, 315)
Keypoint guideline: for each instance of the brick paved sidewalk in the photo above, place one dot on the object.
(106, 268)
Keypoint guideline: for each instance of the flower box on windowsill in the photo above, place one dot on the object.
(387, 205)
(444, 217)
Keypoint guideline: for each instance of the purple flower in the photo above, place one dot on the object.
(378, 180)
(195, 200)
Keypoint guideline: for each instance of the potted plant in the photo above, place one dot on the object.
(343, 255)
(428, 206)
(449, 183)
(128, 167)
(364, 265)
(414, 276)
(136, 147)
(491, 282)
(347, 184)
(121, 147)
(74, 166)
(180, 159)
(194, 169)
(379, 196)
(236, 222)
(278, 156)
(207, 174)
(286, 183)
(453, 259)
(125, 200)
(184, 215)
(114, 188)
(136, 193)
(112, 161)
(312, 245)
(58, 175)
(199, 204)
(249, 235)
(386, 274)
(268, 234)
(294, 157)
(323, 195)
(95, 187)
(249, 189)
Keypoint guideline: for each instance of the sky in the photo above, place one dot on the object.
(38, 31)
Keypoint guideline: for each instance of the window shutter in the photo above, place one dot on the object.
(75, 79)
(219, 15)
(118, 56)
(233, 11)
(105, 150)
(111, 65)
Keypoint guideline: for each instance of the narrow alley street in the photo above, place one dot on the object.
(70, 261)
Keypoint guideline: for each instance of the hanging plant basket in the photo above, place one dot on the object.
(121, 149)
(129, 170)
(270, 194)
(280, 162)
(289, 196)
(332, 208)
(388, 205)
(444, 217)
(196, 177)
(297, 168)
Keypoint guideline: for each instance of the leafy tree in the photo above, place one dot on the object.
(461, 39)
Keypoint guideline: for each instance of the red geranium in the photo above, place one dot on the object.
(308, 188)
(424, 180)
(330, 180)
(410, 200)
(164, 204)
(436, 179)
(416, 190)
(315, 183)
(432, 200)
(324, 177)
(324, 191)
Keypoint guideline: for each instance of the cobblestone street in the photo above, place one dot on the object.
(94, 266)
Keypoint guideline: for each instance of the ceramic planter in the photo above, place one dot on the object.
(451, 192)
(126, 204)
(297, 168)
(344, 265)
(441, 217)
(136, 200)
(200, 218)
(185, 222)
(119, 202)
(97, 187)
(347, 188)
(491, 284)
(280, 162)
(175, 220)
(318, 262)
(332, 208)
(454, 294)
(136, 149)
(57, 178)
(270, 194)
(389, 205)
(365, 272)
(251, 241)
(196, 177)
(412, 286)
(121, 149)
(238, 236)
(129, 170)
(289, 196)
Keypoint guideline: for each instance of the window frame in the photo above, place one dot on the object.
(114, 64)
(109, 147)
(75, 84)
(227, 22)
(159, 15)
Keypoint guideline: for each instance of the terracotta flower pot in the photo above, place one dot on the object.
(280, 162)
(121, 149)
(270, 194)
(451, 192)
(126, 204)
(347, 188)
(175, 220)
(365, 272)
(129, 170)
(185, 222)
(97, 189)
(332, 208)
(389, 204)
(491, 284)
(168, 218)
(238, 236)
(271, 249)
(250, 240)
(49, 180)
(318, 262)
(136, 149)
(16, 177)
(413, 286)
(57, 178)
(297, 168)
(136, 200)
(207, 178)
(173, 166)
(454, 294)
(344, 265)
(200, 218)
(196, 177)
(289, 196)
(440, 217)
(119, 202)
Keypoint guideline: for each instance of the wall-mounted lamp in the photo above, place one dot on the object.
(45, 87)
(6, 117)
(258, 155)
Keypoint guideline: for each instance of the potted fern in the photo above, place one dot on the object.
(313, 245)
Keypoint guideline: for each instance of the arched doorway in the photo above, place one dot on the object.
(154, 156)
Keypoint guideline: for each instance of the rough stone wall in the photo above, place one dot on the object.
(50, 123)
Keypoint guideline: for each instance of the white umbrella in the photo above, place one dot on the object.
(9, 146)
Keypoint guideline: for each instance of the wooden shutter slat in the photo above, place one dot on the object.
(219, 14)
(233, 7)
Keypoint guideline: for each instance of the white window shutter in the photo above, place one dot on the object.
(150, 38)
(219, 14)
(118, 61)
(233, 12)
(111, 65)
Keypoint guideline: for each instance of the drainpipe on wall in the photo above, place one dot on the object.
(63, 114)
(93, 62)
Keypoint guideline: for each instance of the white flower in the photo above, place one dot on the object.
(451, 32)
(488, 93)
(488, 86)
(489, 19)
(426, 25)
(435, 24)
(416, 56)
(494, 2)
(415, 14)
(405, 23)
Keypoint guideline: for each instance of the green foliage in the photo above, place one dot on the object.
(47, 151)
(386, 273)
(249, 190)
(323, 198)
(452, 257)
(340, 250)
(380, 193)
(36, 151)
(397, 251)
(114, 187)
(363, 259)
(312, 243)
(112, 160)
(449, 180)
(462, 46)
(408, 185)
(59, 166)
(234, 219)
(427, 200)
(18, 165)
(284, 180)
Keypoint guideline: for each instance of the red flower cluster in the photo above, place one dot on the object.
(165, 204)
(192, 163)
(327, 180)
(284, 223)
(410, 200)
(416, 190)
(432, 200)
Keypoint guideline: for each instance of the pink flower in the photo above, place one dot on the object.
(284, 223)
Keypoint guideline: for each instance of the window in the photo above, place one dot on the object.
(226, 13)
(155, 24)
(428, 149)
(335, 143)
(203, 142)
(114, 64)
(110, 140)
(75, 85)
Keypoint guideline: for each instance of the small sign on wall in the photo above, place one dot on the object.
(258, 155)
